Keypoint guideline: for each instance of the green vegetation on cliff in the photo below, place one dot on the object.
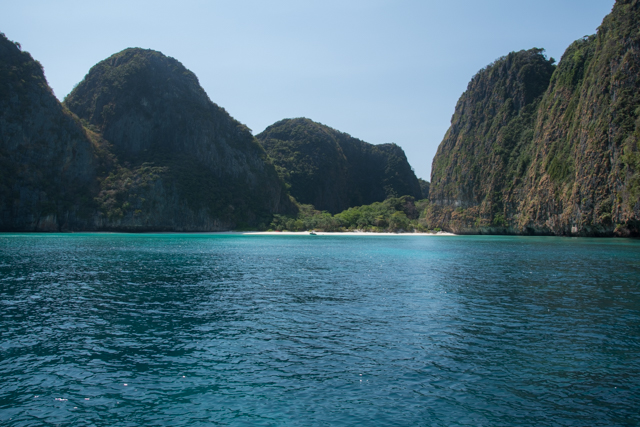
(136, 146)
(585, 175)
(487, 148)
(47, 165)
(180, 162)
(561, 157)
(332, 170)
(533, 148)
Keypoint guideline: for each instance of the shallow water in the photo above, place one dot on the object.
(171, 329)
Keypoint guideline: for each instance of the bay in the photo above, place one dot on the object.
(215, 329)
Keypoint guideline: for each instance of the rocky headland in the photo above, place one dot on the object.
(535, 148)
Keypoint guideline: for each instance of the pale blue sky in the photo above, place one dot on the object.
(382, 71)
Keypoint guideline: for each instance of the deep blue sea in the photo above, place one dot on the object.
(210, 329)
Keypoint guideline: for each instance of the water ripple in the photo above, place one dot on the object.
(100, 329)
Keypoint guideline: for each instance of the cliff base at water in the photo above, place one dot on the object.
(545, 150)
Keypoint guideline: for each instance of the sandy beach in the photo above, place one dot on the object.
(338, 233)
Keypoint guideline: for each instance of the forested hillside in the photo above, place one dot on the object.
(334, 171)
(182, 163)
(136, 146)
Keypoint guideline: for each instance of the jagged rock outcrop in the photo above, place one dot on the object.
(182, 162)
(334, 171)
(558, 158)
(47, 164)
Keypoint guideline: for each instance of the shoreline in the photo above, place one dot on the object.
(335, 233)
(240, 233)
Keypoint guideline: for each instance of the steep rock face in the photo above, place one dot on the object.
(180, 161)
(334, 171)
(585, 175)
(565, 163)
(487, 143)
(47, 164)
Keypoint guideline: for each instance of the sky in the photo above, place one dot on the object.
(380, 70)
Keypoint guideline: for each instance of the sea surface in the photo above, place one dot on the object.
(210, 329)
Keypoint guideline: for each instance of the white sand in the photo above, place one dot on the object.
(343, 233)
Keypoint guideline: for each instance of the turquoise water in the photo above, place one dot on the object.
(171, 329)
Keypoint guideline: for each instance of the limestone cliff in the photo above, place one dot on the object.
(585, 173)
(137, 146)
(47, 164)
(533, 150)
(181, 162)
(334, 171)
